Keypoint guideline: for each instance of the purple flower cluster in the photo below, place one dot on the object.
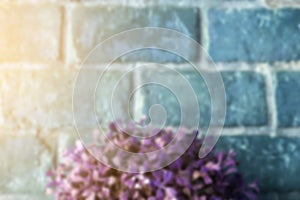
(80, 176)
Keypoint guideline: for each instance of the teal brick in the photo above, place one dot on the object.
(275, 162)
(245, 97)
(254, 35)
(160, 92)
(93, 24)
(288, 98)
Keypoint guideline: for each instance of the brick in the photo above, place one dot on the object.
(67, 138)
(245, 97)
(165, 95)
(24, 162)
(29, 33)
(254, 35)
(92, 25)
(110, 95)
(274, 161)
(288, 98)
(37, 99)
(42, 99)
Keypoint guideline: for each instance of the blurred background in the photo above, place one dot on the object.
(255, 45)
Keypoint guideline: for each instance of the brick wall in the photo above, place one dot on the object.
(254, 43)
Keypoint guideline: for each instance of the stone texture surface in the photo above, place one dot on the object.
(29, 33)
(67, 137)
(92, 25)
(37, 99)
(36, 118)
(254, 35)
(288, 98)
(24, 162)
(165, 96)
(66, 140)
(101, 97)
(42, 99)
(274, 161)
(113, 97)
(245, 97)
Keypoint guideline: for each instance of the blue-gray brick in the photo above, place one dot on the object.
(245, 98)
(161, 94)
(274, 161)
(288, 98)
(92, 25)
(254, 35)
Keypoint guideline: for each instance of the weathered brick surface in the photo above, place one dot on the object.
(113, 97)
(105, 94)
(92, 25)
(254, 35)
(37, 99)
(67, 138)
(288, 98)
(40, 101)
(29, 33)
(245, 97)
(24, 162)
(43, 98)
(274, 161)
(165, 96)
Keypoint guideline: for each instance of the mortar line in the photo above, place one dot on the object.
(246, 131)
(206, 66)
(62, 50)
(291, 132)
(271, 102)
(67, 36)
(227, 131)
(137, 106)
(204, 36)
